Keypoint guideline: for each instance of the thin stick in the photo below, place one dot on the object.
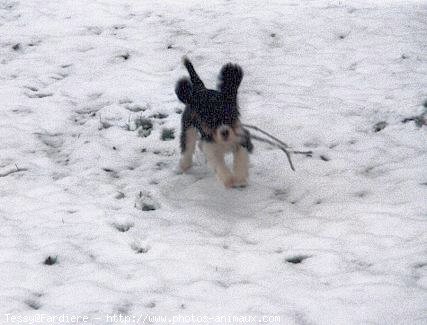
(11, 171)
(306, 153)
(266, 133)
(277, 145)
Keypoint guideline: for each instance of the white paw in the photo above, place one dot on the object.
(240, 181)
(226, 179)
(184, 164)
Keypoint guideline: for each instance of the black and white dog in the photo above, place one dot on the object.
(213, 116)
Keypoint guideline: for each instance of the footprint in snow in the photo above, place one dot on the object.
(138, 249)
(125, 227)
(298, 259)
(33, 304)
(145, 202)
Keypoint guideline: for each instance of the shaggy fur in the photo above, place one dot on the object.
(213, 115)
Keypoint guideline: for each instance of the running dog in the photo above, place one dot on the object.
(213, 117)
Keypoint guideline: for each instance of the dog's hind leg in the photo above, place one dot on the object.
(240, 166)
(215, 158)
(188, 145)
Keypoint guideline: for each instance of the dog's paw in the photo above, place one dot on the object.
(226, 179)
(241, 176)
(184, 165)
(240, 182)
(229, 182)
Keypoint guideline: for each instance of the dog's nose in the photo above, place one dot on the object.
(225, 133)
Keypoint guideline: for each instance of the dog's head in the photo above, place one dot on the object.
(216, 110)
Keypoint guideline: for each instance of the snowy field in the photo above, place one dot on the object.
(96, 221)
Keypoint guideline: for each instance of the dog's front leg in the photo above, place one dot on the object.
(240, 166)
(215, 157)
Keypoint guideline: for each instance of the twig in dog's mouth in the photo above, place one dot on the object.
(276, 143)
(249, 126)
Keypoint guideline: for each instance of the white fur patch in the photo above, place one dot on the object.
(190, 145)
(215, 155)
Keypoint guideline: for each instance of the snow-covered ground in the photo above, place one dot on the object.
(95, 220)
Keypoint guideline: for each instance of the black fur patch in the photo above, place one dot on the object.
(184, 90)
(246, 141)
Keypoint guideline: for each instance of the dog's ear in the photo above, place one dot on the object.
(229, 80)
(184, 90)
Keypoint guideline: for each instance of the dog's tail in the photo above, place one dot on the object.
(230, 77)
(184, 90)
(195, 79)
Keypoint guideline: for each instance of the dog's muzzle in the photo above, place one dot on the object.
(224, 131)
